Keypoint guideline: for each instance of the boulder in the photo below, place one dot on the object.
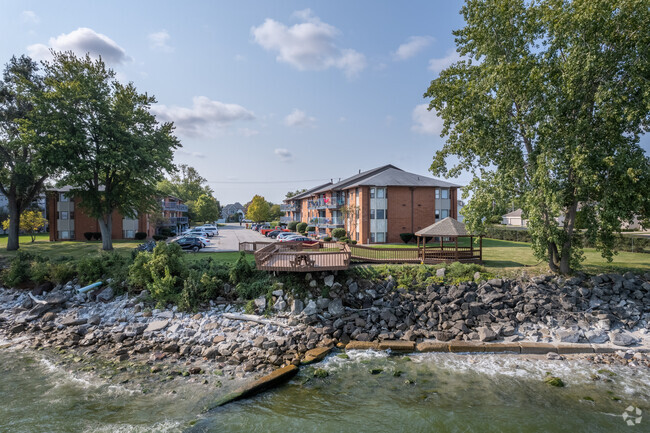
(106, 295)
(310, 309)
(260, 303)
(569, 335)
(156, 325)
(329, 280)
(440, 272)
(297, 306)
(280, 304)
(335, 307)
(486, 334)
(73, 321)
(622, 338)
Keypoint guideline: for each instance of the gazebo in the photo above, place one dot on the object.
(448, 228)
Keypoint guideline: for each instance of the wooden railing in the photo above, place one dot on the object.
(384, 255)
(299, 257)
(251, 247)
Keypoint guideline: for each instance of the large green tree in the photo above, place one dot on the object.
(258, 209)
(23, 167)
(101, 132)
(188, 185)
(547, 105)
(207, 208)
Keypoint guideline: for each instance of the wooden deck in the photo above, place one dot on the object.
(298, 257)
(332, 256)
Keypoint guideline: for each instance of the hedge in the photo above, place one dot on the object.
(406, 237)
(339, 233)
(633, 244)
(302, 227)
(292, 226)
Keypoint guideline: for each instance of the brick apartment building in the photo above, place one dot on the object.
(68, 221)
(375, 206)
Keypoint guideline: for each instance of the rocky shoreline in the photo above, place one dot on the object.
(609, 312)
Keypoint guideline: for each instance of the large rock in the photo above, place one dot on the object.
(106, 295)
(73, 321)
(335, 307)
(157, 325)
(329, 280)
(297, 306)
(260, 303)
(56, 298)
(568, 335)
(310, 309)
(440, 272)
(134, 329)
(622, 338)
(280, 304)
(486, 334)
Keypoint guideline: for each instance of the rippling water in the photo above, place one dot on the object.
(419, 393)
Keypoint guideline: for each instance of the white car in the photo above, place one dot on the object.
(290, 238)
(285, 235)
(197, 232)
(210, 229)
(205, 241)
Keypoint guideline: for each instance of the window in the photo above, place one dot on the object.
(372, 214)
(445, 193)
(381, 214)
(64, 215)
(64, 235)
(381, 192)
(63, 197)
(437, 214)
(129, 234)
(372, 237)
(437, 193)
(381, 237)
(444, 213)
(372, 193)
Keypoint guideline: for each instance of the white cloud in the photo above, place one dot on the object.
(30, 17)
(204, 117)
(159, 41)
(437, 65)
(82, 41)
(308, 45)
(425, 121)
(299, 118)
(248, 132)
(412, 46)
(188, 153)
(284, 154)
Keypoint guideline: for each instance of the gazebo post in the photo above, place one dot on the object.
(418, 245)
(456, 252)
(480, 256)
(471, 246)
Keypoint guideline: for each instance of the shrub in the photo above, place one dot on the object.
(88, 236)
(311, 229)
(97, 236)
(353, 242)
(40, 271)
(406, 237)
(241, 270)
(161, 272)
(103, 266)
(197, 288)
(292, 225)
(140, 236)
(19, 269)
(63, 272)
(339, 233)
(166, 232)
(274, 224)
(255, 288)
(327, 239)
(159, 237)
(302, 228)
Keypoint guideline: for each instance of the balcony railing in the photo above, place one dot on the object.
(326, 203)
(329, 223)
(174, 206)
(175, 221)
(289, 207)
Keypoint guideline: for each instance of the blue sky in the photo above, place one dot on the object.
(267, 96)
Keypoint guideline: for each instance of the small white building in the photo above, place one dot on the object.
(514, 218)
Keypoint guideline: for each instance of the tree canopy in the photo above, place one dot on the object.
(295, 193)
(258, 210)
(547, 105)
(102, 134)
(206, 208)
(188, 185)
(23, 165)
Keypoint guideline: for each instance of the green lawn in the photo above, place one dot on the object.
(497, 255)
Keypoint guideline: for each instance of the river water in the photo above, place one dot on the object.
(418, 393)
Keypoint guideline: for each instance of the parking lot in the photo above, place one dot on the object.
(230, 236)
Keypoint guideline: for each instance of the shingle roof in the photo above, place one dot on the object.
(345, 183)
(393, 176)
(445, 227)
(514, 213)
(308, 192)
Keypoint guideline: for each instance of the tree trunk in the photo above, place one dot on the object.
(565, 261)
(14, 224)
(552, 257)
(106, 228)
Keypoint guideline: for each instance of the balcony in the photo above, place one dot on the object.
(327, 223)
(289, 207)
(175, 221)
(174, 207)
(326, 203)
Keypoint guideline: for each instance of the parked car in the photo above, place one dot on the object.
(189, 243)
(266, 231)
(210, 229)
(274, 234)
(302, 239)
(197, 231)
(284, 235)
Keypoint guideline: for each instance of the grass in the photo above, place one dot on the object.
(498, 255)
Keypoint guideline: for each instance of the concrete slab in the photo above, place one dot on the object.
(433, 346)
(315, 355)
(362, 345)
(502, 348)
(397, 345)
(530, 348)
(466, 347)
(567, 348)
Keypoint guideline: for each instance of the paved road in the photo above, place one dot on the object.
(230, 236)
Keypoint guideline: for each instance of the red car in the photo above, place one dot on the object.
(266, 231)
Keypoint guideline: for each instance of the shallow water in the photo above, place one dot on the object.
(419, 393)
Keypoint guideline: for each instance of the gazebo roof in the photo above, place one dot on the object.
(445, 227)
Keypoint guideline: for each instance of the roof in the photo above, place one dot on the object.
(514, 213)
(345, 183)
(445, 227)
(309, 192)
(232, 208)
(393, 176)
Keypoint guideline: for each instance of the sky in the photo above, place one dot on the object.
(267, 97)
